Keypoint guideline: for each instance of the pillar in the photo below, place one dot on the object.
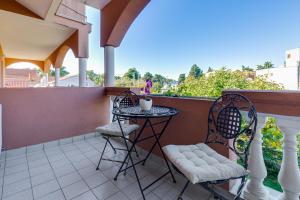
(82, 72)
(57, 76)
(109, 66)
(2, 71)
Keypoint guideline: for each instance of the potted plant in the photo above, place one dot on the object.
(146, 101)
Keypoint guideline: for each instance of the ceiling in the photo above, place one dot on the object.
(38, 7)
(29, 38)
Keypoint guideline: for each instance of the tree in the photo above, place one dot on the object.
(117, 77)
(147, 76)
(98, 79)
(210, 70)
(195, 71)
(181, 78)
(213, 84)
(266, 65)
(63, 72)
(248, 69)
(157, 78)
(132, 74)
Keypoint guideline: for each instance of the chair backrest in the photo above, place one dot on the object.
(232, 121)
(125, 99)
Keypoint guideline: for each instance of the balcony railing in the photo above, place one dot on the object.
(284, 107)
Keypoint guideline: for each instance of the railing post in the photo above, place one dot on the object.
(57, 76)
(289, 174)
(82, 72)
(109, 66)
(255, 190)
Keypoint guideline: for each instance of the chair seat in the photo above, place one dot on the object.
(200, 163)
(113, 129)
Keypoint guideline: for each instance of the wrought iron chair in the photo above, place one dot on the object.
(113, 130)
(232, 123)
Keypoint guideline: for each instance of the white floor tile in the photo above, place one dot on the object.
(42, 178)
(118, 196)
(82, 164)
(95, 180)
(75, 189)
(34, 148)
(105, 190)
(69, 179)
(65, 141)
(24, 195)
(74, 165)
(86, 196)
(45, 188)
(57, 195)
(64, 170)
(40, 169)
(133, 191)
(88, 171)
(14, 162)
(16, 169)
(37, 163)
(16, 187)
(16, 177)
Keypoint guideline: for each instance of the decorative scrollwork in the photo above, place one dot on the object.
(125, 99)
(232, 117)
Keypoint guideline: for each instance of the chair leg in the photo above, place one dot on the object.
(182, 191)
(125, 171)
(239, 192)
(127, 161)
(136, 152)
(111, 146)
(102, 155)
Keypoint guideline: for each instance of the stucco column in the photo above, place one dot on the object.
(109, 66)
(82, 72)
(57, 76)
(2, 71)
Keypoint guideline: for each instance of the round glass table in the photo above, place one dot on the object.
(158, 115)
(154, 112)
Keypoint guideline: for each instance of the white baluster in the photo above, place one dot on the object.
(289, 174)
(255, 190)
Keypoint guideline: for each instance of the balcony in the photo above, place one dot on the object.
(51, 149)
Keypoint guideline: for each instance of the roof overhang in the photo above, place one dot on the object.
(30, 38)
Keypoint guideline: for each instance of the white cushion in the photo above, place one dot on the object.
(200, 163)
(114, 129)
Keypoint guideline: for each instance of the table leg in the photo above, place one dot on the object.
(152, 148)
(160, 147)
(129, 150)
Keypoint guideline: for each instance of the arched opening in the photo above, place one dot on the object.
(23, 75)
(68, 68)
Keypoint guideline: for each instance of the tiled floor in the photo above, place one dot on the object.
(64, 172)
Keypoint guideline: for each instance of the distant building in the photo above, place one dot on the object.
(72, 81)
(289, 74)
(167, 87)
(292, 58)
(21, 78)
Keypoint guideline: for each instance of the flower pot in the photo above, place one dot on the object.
(146, 104)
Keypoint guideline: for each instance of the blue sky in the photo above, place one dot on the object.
(170, 36)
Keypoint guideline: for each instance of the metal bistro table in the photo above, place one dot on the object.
(163, 116)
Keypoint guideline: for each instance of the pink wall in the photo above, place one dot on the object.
(36, 115)
(189, 126)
